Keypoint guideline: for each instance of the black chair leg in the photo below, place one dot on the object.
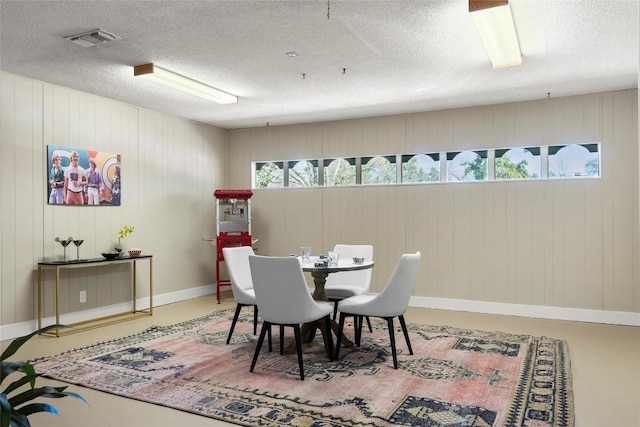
(328, 337)
(335, 314)
(296, 332)
(355, 331)
(340, 332)
(265, 326)
(357, 324)
(392, 338)
(233, 324)
(269, 338)
(405, 332)
(281, 339)
(255, 319)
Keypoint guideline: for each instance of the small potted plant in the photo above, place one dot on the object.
(15, 401)
(124, 232)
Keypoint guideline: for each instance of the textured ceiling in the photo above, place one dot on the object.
(370, 58)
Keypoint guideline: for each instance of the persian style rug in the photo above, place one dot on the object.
(456, 377)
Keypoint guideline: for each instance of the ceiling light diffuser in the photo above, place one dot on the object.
(92, 38)
(184, 84)
(494, 21)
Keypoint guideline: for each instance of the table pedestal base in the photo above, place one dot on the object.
(308, 334)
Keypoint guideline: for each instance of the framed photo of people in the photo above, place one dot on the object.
(83, 177)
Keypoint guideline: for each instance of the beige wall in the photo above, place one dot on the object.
(170, 168)
(569, 243)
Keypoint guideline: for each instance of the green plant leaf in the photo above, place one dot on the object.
(38, 407)
(18, 420)
(11, 414)
(47, 391)
(30, 371)
(5, 410)
(8, 368)
(19, 383)
(18, 342)
(33, 393)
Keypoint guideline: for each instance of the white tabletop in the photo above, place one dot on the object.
(346, 264)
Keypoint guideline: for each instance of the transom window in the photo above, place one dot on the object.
(304, 173)
(568, 161)
(517, 163)
(379, 170)
(269, 175)
(339, 172)
(467, 166)
(514, 163)
(420, 168)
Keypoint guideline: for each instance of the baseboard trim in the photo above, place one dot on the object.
(542, 312)
(533, 311)
(24, 328)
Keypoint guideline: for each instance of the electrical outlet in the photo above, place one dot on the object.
(83, 297)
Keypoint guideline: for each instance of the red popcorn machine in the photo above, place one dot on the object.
(233, 225)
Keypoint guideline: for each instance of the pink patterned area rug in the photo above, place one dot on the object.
(456, 377)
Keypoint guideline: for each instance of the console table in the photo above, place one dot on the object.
(98, 321)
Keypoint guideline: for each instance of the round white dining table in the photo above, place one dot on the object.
(320, 274)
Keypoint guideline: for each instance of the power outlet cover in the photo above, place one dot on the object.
(83, 296)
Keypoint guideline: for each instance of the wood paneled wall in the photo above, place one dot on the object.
(570, 243)
(170, 168)
(561, 243)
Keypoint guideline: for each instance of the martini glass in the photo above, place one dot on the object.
(64, 244)
(78, 242)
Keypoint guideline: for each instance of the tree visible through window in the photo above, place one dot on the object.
(566, 161)
(269, 175)
(340, 172)
(421, 168)
(467, 166)
(517, 163)
(379, 170)
(304, 174)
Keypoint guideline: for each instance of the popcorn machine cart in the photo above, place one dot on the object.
(233, 225)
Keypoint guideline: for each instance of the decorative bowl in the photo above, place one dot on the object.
(321, 262)
(358, 260)
(134, 252)
(110, 254)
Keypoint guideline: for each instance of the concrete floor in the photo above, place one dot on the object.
(605, 363)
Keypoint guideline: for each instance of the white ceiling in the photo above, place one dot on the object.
(397, 56)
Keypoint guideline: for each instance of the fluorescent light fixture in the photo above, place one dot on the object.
(495, 24)
(184, 84)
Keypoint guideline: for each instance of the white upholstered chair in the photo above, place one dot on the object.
(346, 284)
(283, 299)
(237, 262)
(391, 302)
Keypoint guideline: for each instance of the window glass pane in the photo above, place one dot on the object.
(421, 168)
(574, 160)
(379, 170)
(303, 174)
(517, 163)
(466, 166)
(269, 175)
(340, 172)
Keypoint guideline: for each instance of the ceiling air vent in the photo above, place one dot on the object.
(92, 38)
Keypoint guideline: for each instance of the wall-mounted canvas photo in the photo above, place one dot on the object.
(83, 177)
